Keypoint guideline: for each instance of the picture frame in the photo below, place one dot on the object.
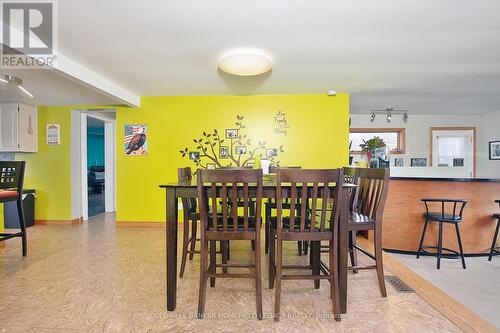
(494, 150)
(194, 155)
(231, 133)
(271, 152)
(223, 152)
(399, 162)
(240, 150)
(136, 139)
(418, 162)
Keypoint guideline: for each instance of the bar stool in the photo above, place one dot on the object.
(494, 247)
(11, 189)
(443, 217)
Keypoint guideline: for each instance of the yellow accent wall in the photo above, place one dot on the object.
(317, 138)
(48, 171)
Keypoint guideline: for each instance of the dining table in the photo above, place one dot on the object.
(188, 189)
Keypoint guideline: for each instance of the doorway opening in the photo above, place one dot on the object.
(93, 162)
(96, 185)
(454, 147)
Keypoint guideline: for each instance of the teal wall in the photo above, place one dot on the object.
(95, 146)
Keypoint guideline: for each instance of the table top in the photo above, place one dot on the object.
(267, 181)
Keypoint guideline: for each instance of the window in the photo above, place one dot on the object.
(394, 138)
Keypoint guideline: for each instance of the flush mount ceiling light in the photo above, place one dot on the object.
(9, 79)
(245, 62)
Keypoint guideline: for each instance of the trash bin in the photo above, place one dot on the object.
(11, 217)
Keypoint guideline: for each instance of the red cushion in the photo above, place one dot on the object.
(8, 194)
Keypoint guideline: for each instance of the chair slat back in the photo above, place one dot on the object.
(12, 175)
(225, 186)
(308, 186)
(372, 191)
(185, 175)
(350, 178)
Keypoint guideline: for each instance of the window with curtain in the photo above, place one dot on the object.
(394, 138)
(450, 148)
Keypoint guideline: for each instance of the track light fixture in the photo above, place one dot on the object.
(10, 79)
(388, 114)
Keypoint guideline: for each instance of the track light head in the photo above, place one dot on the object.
(372, 117)
(405, 117)
(389, 116)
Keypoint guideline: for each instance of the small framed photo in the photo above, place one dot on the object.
(495, 150)
(458, 162)
(211, 166)
(231, 133)
(194, 155)
(271, 152)
(399, 162)
(223, 152)
(419, 162)
(240, 150)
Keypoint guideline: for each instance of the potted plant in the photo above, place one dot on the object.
(369, 146)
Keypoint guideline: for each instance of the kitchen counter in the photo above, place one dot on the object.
(403, 220)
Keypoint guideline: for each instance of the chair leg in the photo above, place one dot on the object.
(212, 262)
(277, 293)
(185, 242)
(459, 239)
(299, 247)
(22, 224)
(267, 227)
(315, 258)
(272, 259)
(494, 242)
(224, 254)
(253, 245)
(440, 245)
(258, 277)
(203, 279)
(353, 254)
(305, 247)
(194, 227)
(422, 238)
(379, 262)
(334, 282)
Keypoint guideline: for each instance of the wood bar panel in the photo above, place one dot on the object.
(403, 220)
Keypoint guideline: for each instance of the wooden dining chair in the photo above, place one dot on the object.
(302, 186)
(191, 216)
(270, 205)
(367, 211)
(222, 187)
(11, 189)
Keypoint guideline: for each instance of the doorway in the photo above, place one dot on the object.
(95, 165)
(96, 185)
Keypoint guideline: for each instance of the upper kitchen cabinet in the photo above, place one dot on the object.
(18, 128)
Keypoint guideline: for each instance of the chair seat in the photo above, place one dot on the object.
(8, 195)
(448, 218)
(359, 221)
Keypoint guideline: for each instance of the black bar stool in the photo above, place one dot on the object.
(455, 217)
(11, 189)
(494, 247)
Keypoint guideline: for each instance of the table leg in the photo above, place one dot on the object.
(342, 252)
(171, 238)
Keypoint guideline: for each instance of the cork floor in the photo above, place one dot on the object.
(96, 277)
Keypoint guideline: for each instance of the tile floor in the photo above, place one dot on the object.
(96, 277)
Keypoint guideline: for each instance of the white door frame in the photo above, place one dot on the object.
(109, 163)
(469, 131)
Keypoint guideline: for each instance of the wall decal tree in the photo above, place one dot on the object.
(209, 146)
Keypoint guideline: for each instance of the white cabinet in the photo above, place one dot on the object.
(18, 128)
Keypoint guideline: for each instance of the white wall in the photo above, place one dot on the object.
(417, 134)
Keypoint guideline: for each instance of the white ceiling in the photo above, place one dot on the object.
(428, 56)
